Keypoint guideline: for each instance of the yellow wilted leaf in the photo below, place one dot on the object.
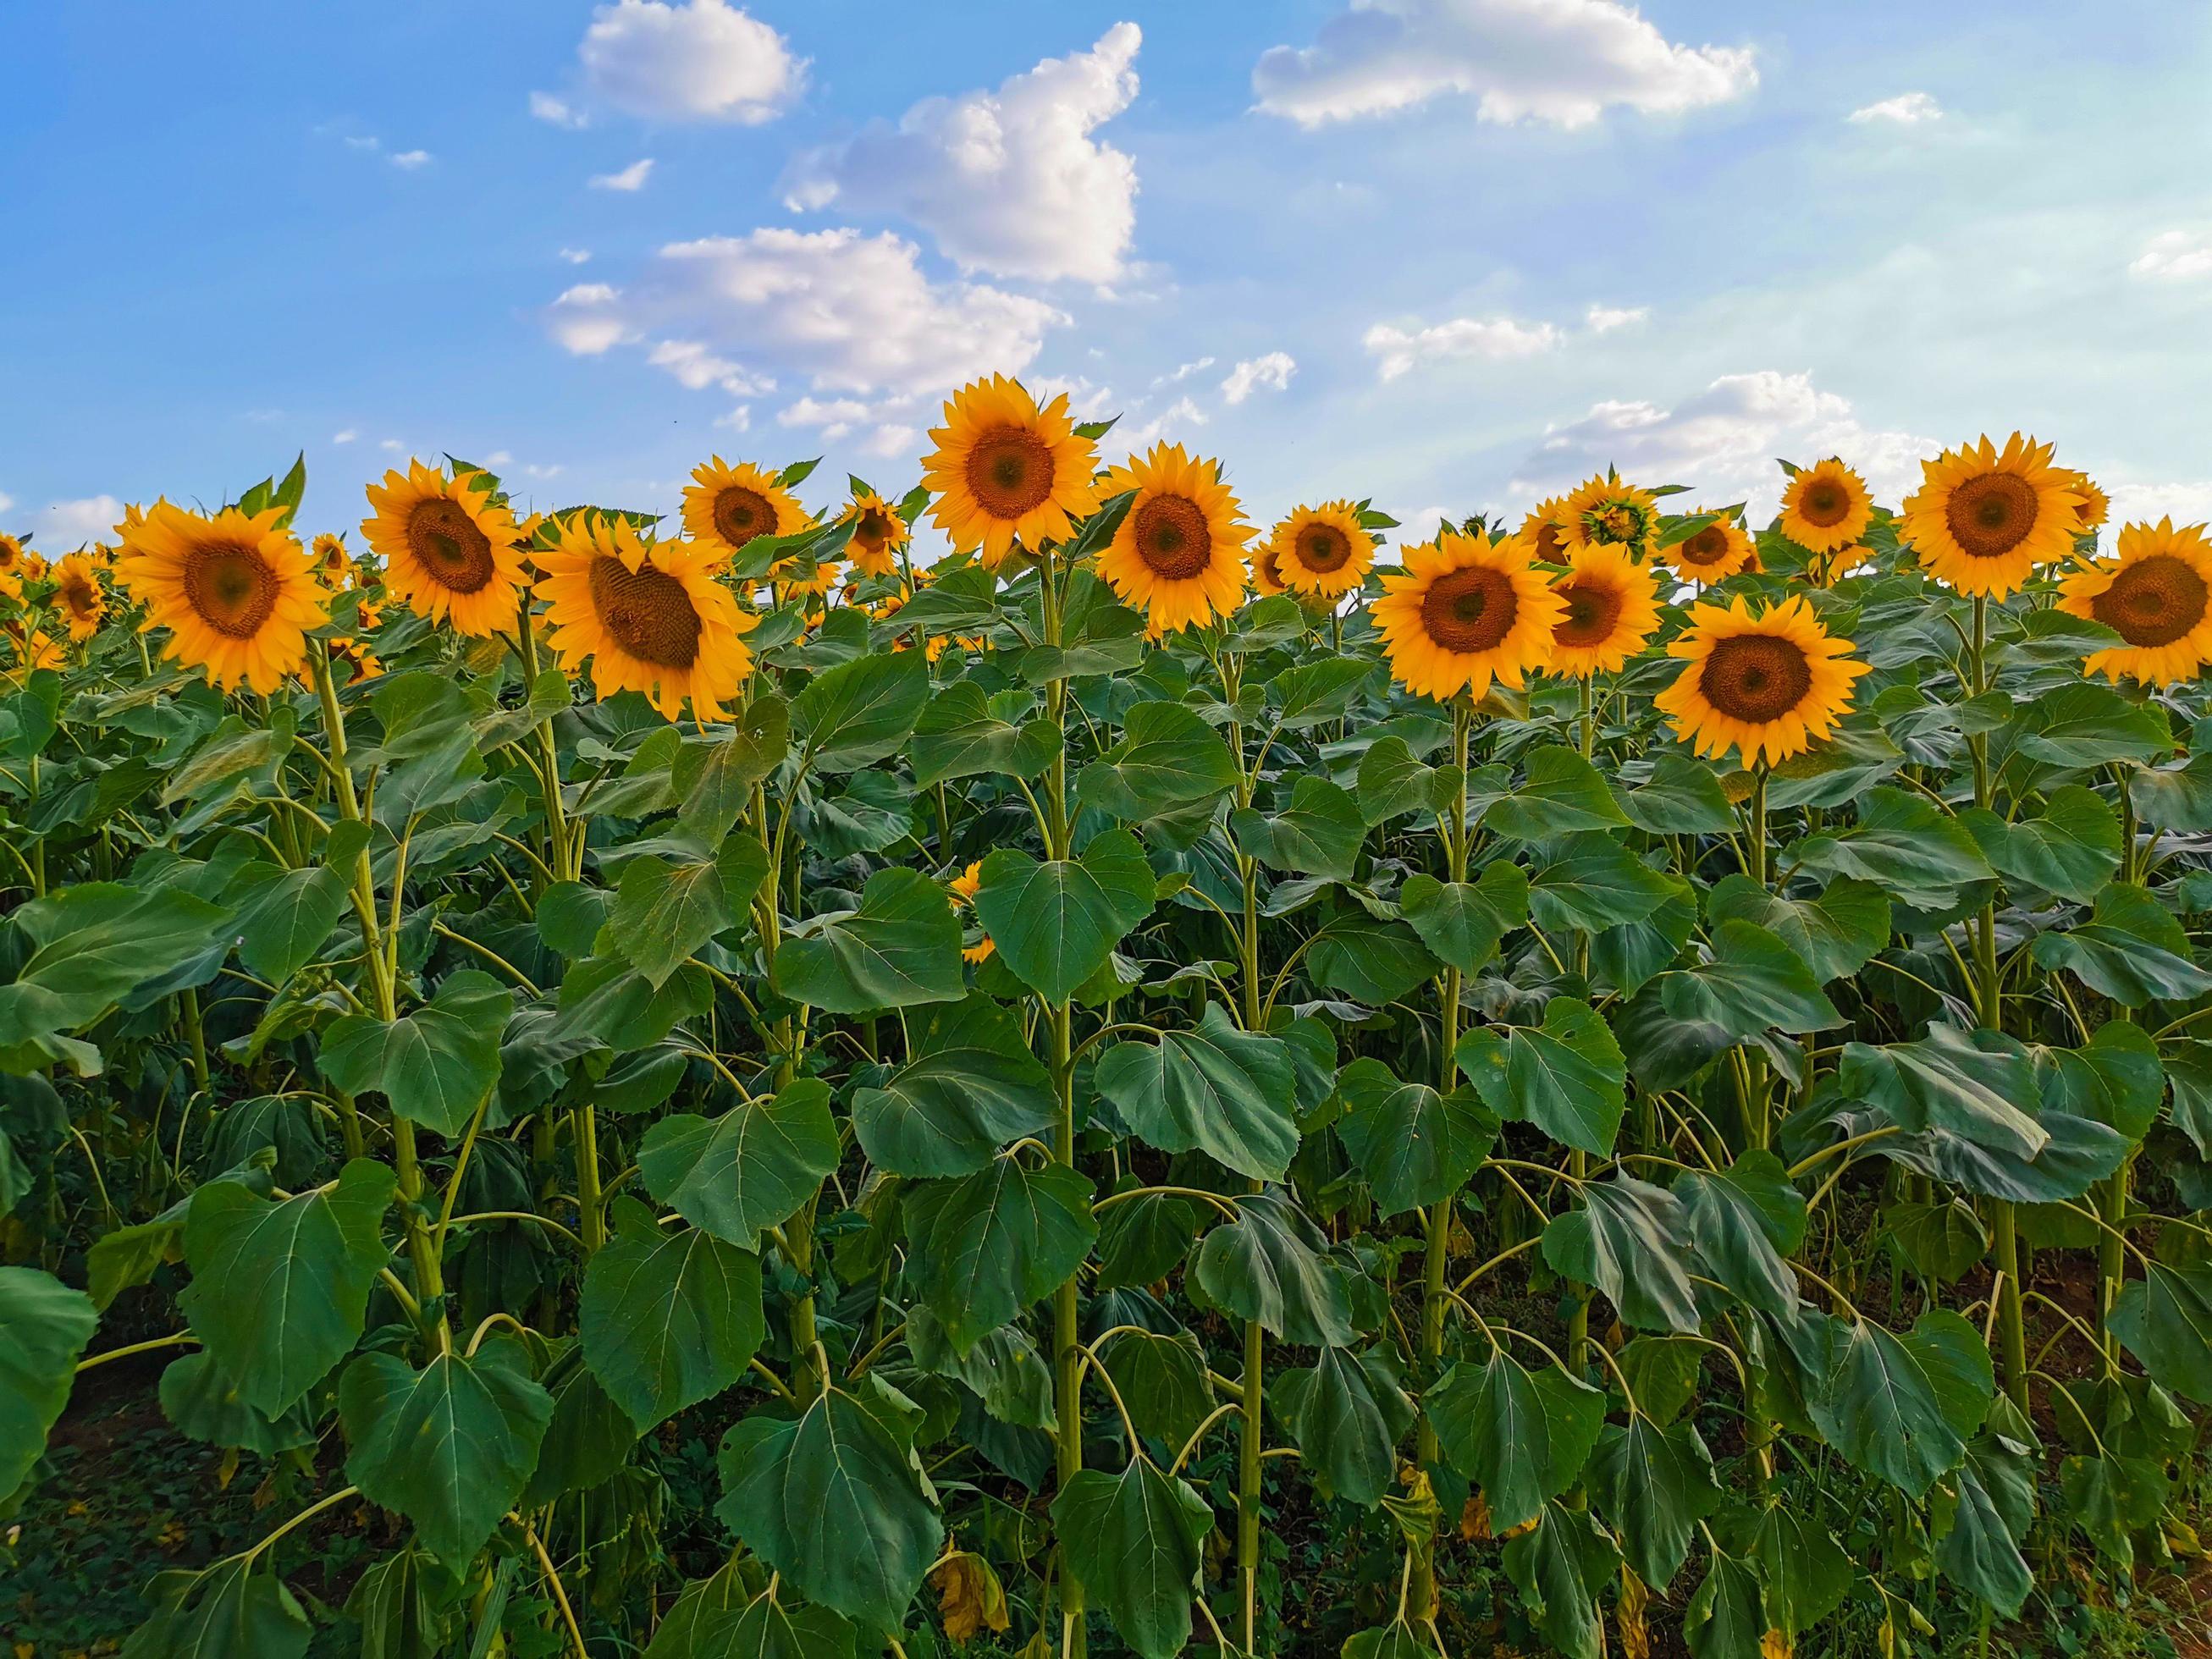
(1775, 1644)
(1474, 1517)
(970, 1597)
(1635, 1633)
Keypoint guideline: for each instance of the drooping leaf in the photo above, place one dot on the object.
(1561, 794)
(900, 948)
(47, 1325)
(1271, 1265)
(749, 1169)
(1559, 1567)
(1631, 1239)
(1463, 921)
(1345, 1413)
(1134, 1541)
(1654, 1485)
(1319, 831)
(2131, 949)
(1750, 981)
(436, 1064)
(969, 1086)
(1055, 923)
(859, 712)
(1835, 933)
(1566, 1077)
(1592, 881)
(1523, 1436)
(1218, 1089)
(992, 1243)
(1901, 1407)
(1902, 844)
(1415, 1146)
(2165, 1319)
(668, 1314)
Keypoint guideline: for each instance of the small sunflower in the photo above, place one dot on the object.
(34, 648)
(786, 576)
(1179, 553)
(1464, 611)
(1265, 578)
(356, 659)
(1765, 683)
(1545, 530)
(449, 552)
(961, 889)
(1004, 471)
(648, 615)
(2155, 592)
(1612, 607)
(333, 563)
(1723, 549)
(1606, 513)
(724, 506)
(2096, 506)
(1825, 507)
(1982, 518)
(77, 595)
(15, 561)
(236, 592)
(1323, 550)
(879, 533)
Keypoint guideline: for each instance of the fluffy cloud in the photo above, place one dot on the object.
(577, 256)
(556, 111)
(1271, 373)
(1011, 181)
(1603, 319)
(408, 160)
(1565, 61)
(65, 526)
(2184, 503)
(344, 437)
(835, 416)
(697, 367)
(6, 501)
(1494, 340)
(703, 61)
(631, 178)
(1907, 109)
(2174, 256)
(1170, 421)
(1722, 442)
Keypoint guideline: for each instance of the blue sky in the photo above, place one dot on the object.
(1449, 253)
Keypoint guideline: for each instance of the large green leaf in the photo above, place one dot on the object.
(1902, 843)
(1372, 961)
(228, 1612)
(285, 915)
(435, 1065)
(1560, 1566)
(91, 945)
(1463, 921)
(1835, 933)
(990, 1244)
(2131, 949)
(1654, 1485)
(2084, 724)
(1566, 1076)
(668, 1315)
(1745, 1221)
(1523, 1436)
(1750, 981)
(1977, 1084)
(665, 911)
(901, 947)
(1682, 797)
(1271, 1264)
(2114, 1078)
(1992, 1506)
(860, 711)
(1902, 1407)
(2165, 1319)
(1056, 922)
(961, 736)
(1393, 782)
(2070, 848)
(1726, 1618)
(749, 1169)
(1415, 1146)
(1228, 1093)
(1318, 833)
(1560, 793)
(1347, 1413)
(1631, 1239)
(1167, 758)
(969, 1086)
(47, 1325)
(1135, 1542)
(1592, 881)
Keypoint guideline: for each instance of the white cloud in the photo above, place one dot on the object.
(1722, 442)
(408, 160)
(6, 501)
(1010, 181)
(2174, 256)
(703, 61)
(577, 256)
(542, 471)
(632, 177)
(1086, 399)
(498, 458)
(2184, 503)
(1184, 372)
(1169, 422)
(1271, 373)
(370, 143)
(344, 437)
(1565, 61)
(1603, 319)
(65, 526)
(1907, 109)
(556, 111)
(697, 367)
(893, 440)
(393, 446)
(839, 312)
(1495, 339)
(836, 417)
(739, 419)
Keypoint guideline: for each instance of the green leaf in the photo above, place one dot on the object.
(1750, 982)
(1726, 1618)
(1805, 1571)
(1314, 693)
(1415, 1146)
(2175, 797)
(1347, 1413)
(1561, 794)
(48, 1325)
(451, 1447)
(860, 711)
(1559, 1568)
(1965, 1082)
(1392, 782)
(206, 1405)
(993, 1242)
(1631, 1239)
(605, 1000)
(959, 736)
(435, 1065)
(93, 944)
(1937, 1241)
(2130, 950)
(1271, 1264)
(2071, 847)
(1395, 1640)
(901, 947)
(1226, 1092)
(285, 915)
(1463, 921)
(1592, 881)
(1523, 1436)
(1682, 797)
(669, 1315)
(2084, 724)
(1135, 1542)
(1654, 1485)
(1144, 1237)
(748, 1169)
(665, 912)
(279, 1291)
(716, 778)
(1319, 833)
(1835, 934)
(228, 1612)
(1993, 1508)
(1744, 1221)
(1005, 1370)
(1566, 1077)
(1055, 923)
(1368, 960)
(2114, 1078)
(396, 1606)
(2165, 1319)
(1167, 758)
(1901, 1407)
(1162, 1380)
(1904, 844)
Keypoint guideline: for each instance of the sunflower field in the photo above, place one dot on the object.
(1620, 1084)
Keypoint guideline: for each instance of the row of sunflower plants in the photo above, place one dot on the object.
(1142, 1087)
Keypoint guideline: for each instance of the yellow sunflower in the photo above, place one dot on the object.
(1825, 507)
(354, 656)
(1179, 552)
(34, 649)
(1464, 611)
(15, 558)
(1545, 530)
(725, 507)
(879, 533)
(1265, 578)
(77, 595)
(1004, 471)
(1606, 513)
(1323, 550)
(2096, 505)
(1765, 683)
(961, 889)
(237, 593)
(1612, 608)
(333, 563)
(2155, 592)
(649, 616)
(784, 574)
(449, 553)
(1983, 518)
(1720, 551)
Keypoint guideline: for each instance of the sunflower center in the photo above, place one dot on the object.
(740, 514)
(873, 530)
(1267, 564)
(82, 598)
(1615, 521)
(1709, 546)
(451, 548)
(1550, 545)
(2153, 602)
(1992, 514)
(1171, 537)
(1755, 677)
(1324, 548)
(1470, 610)
(1010, 470)
(1593, 613)
(230, 587)
(647, 612)
(1824, 503)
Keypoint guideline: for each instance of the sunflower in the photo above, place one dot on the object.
(879, 533)
(1765, 683)
(649, 615)
(1720, 551)
(1179, 552)
(356, 658)
(2095, 504)
(13, 557)
(333, 563)
(1545, 530)
(34, 649)
(1606, 513)
(1825, 507)
(1323, 550)
(1004, 471)
(1464, 609)
(449, 553)
(961, 889)
(1612, 607)
(2155, 592)
(77, 595)
(1982, 519)
(236, 592)
(725, 507)
(1265, 578)
(784, 574)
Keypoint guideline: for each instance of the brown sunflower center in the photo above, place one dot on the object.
(82, 598)
(1709, 546)
(2154, 601)
(1266, 563)
(1593, 613)
(1551, 544)
(448, 544)
(230, 587)
(1010, 470)
(647, 612)
(1470, 610)
(1323, 548)
(873, 530)
(1755, 677)
(740, 514)
(1171, 537)
(1825, 503)
(1991, 514)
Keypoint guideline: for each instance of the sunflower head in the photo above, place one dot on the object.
(1545, 530)
(2096, 506)
(1464, 611)
(2155, 592)
(1606, 513)
(1004, 471)
(1765, 683)
(725, 507)
(1721, 549)
(333, 563)
(1983, 518)
(448, 547)
(35, 648)
(354, 659)
(1179, 552)
(236, 591)
(1611, 607)
(962, 890)
(77, 596)
(1825, 507)
(1323, 550)
(13, 555)
(789, 577)
(879, 533)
